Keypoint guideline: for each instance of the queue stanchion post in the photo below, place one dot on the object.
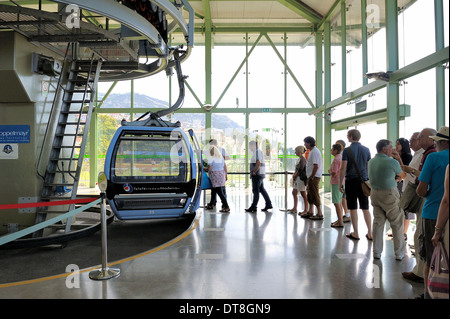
(104, 272)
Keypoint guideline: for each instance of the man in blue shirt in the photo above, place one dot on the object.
(431, 186)
(385, 199)
(353, 190)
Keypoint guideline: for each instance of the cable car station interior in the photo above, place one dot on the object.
(107, 111)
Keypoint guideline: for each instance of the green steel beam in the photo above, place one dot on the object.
(193, 93)
(375, 116)
(258, 28)
(436, 59)
(111, 88)
(302, 10)
(329, 15)
(224, 110)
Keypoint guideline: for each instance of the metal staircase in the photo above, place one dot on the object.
(63, 170)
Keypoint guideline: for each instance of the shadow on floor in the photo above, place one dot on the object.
(125, 239)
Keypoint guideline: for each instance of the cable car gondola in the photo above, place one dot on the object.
(154, 167)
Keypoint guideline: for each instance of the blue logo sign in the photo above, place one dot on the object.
(14, 134)
(8, 149)
(128, 188)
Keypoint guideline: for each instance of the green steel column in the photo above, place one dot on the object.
(93, 149)
(327, 98)
(364, 40)
(286, 184)
(319, 99)
(344, 46)
(208, 66)
(285, 104)
(132, 100)
(440, 72)
(247, 119)
(392, 65)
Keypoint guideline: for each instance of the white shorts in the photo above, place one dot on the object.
(299, 185)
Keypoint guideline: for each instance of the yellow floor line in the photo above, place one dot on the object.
(169, 243)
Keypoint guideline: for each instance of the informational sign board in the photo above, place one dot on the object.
(14, 134)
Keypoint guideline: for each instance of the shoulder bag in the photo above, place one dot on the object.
(365, 185)
(437, 283)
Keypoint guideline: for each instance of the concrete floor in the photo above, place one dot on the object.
(241, 255)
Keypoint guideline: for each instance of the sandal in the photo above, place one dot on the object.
(336, 224)
(292, 211)
(316, 217)
(305, 215)
(351, 236)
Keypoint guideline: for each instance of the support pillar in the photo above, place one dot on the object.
(392, 65)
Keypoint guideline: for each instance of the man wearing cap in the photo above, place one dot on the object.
(431, 186)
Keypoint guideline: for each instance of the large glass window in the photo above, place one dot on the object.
(416, 32)
(266, 77)
(354, 47)
(299, 126)
(299, 61)
(420, 93)
(160, 157)
(225, 63)
(376, 37)
(193, 68)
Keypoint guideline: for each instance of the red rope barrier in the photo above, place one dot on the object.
(54, 203)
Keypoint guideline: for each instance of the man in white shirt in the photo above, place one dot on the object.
(314, 170)
(407, 200)
(257, 174)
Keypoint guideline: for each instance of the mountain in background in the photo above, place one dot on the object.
(123, 100)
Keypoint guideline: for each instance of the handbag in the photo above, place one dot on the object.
(410, 201)
(437, 283)
(206, 182)
(365, 185)
(303, 176)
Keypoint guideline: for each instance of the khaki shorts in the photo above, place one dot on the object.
(426, 247)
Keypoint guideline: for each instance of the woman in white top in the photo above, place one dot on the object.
(217, 174)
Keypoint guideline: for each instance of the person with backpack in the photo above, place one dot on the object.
(300, 180)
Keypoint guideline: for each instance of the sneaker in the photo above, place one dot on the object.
(265, 209)
(250, 210)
